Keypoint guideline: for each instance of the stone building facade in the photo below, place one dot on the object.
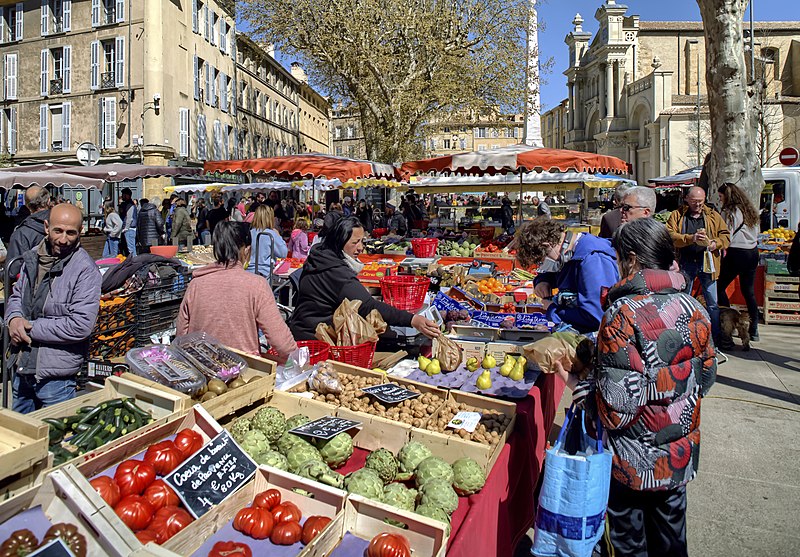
(472, 132)
(347, 136)
(554, 126)
(635, 87)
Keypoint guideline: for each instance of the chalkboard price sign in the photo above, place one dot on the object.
(390, 393)
(212, 474)
(326, 427)
(55, 548)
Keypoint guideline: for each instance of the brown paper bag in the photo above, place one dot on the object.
(448, 353)
(573, 351)
(375, 319)
(352, 329)
(325, 333)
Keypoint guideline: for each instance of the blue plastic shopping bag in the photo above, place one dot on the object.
(574, 496)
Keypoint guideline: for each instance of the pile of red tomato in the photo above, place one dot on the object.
(147, 505)
(269, 517)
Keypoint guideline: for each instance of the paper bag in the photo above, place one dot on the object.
(352, 329)
(708, 263)
(375, 319)
(448, 353)
(325, 333)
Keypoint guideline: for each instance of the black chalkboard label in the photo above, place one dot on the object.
(54, 548)
(326, 427)
(212, 474)
(390, 393)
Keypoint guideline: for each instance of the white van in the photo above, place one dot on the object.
(780, 198)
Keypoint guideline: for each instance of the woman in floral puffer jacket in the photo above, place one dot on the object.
(655, 362)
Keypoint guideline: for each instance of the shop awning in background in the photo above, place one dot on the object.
(87, 176)
(310, 165)
(195, 188)
(120, 172)
(688, 177)
(517, 158)
(530, 181)
(53, 178)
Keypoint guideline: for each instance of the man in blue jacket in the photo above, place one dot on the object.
(580, 266)
(51, 313)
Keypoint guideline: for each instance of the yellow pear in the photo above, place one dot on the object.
(509, 359)
(484, 381)
(473, 364)
(489, 362)
(517, 373)
(522, 361)
(434, 368)
(506, 368)
(423, 363)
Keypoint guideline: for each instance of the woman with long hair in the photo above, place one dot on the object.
(741, 258)
(113, 230)
(249, 305)
(262, 252)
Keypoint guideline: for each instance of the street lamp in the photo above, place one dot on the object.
(696, 42)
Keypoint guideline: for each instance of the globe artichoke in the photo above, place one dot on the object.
(468, 476)
(337, 450)
(439, 493)
(365, 482)
(287, 441)
(296, 421)
(433, 512)
(409, 457)
(272, 458)
(433, 468)
(239, 428)
(320, 472)
(300, 453)
(384, 463)
(400, 496)
(271, 422)
(254, 442)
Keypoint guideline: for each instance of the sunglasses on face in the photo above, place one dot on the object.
(626, 208)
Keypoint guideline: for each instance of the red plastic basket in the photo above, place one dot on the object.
(404, 291)
(379, 232)
(359, 356)
(424, 247)
(311, 236)
(318, 351)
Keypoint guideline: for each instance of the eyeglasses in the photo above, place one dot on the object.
(625, 208)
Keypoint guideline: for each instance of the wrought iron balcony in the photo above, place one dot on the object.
(109, 17)
(56, 86)
(107, 80)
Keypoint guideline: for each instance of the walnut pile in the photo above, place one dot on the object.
(415, 412)
(491, 427)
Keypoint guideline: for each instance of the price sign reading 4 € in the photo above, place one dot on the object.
(212, 474)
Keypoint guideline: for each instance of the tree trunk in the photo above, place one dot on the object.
(734, 157)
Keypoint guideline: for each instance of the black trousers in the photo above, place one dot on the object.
(645, 523)
(742, 263)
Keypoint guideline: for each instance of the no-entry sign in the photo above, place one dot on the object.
(789, 156)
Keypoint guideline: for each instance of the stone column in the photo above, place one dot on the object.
(571, 105)
(610, 88)
(578, 110)
(601, 94)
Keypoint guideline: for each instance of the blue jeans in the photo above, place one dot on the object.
(130, 240)
(205, 236)
(692, 270)
(111, 248)
(30, 394)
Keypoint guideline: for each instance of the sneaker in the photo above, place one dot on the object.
(754, 337)
(721, 358)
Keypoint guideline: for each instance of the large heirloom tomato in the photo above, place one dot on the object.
(107, 488)
(169, 521)
(135, 512)
(188, 442)
(389, 545)
(313, 526)
(286, 533)
(230, 549)
(160, 495)
(164, 457)
(268, 499)
(286, 512)
(20, 542)
(146, 536)
(69, 534)
(133, 477)
(254, 522)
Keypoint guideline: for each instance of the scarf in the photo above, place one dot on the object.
(46, 262)
(353, 263)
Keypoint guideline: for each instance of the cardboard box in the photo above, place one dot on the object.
(472, 348)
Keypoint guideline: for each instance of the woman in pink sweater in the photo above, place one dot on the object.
(231, 304)
(298, 243)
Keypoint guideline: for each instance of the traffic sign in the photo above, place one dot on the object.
(88, 154)
(789, 156)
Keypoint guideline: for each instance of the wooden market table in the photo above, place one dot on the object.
(493, 521)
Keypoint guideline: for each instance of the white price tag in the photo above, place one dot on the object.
(465, 420)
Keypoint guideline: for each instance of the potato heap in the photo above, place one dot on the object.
(492, 425)
(414, 412)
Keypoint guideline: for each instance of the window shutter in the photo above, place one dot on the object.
(110, 121)
(95, 67)
(206, 22)
(223, 92)
(119, 69)
(66, 17)
(233, 97)
(45, 67)
(4, 37)
(66, 116)
(201, 137)
(232, 42)
(194, 16)
(120, 11)
(196, 78)
(207, 74)
(217, 140)
(12, 137)
(45, 17)
(95, 13)
(67, 73)
(223, 35)
(183, 135)
(43, 128)
(20, 18)
(213, 35)
(215, 86)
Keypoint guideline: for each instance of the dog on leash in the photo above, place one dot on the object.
(731, 320)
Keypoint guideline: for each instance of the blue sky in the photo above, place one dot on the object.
(557, 17)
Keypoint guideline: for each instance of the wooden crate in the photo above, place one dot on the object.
(61, 500)
(322, 501)
(25, 479)
(365, 519)
(781, 303)
(23, 445)
(451, 447)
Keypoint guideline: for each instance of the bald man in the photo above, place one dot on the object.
(51, 313)
(31, 230)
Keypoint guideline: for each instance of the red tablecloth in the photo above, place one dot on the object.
(491, 522)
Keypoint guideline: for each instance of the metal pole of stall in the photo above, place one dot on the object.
(519, 218)
(271, 253)
(6, 374)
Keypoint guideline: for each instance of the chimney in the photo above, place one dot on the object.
(299, 73)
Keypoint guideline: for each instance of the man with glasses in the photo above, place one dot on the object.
(638, 202)
(697, 230)
(613, 218)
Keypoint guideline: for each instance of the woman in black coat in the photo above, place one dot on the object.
(149, 226)
(329, 277)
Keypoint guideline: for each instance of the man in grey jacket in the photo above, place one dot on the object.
(51, 313)
(31, 230)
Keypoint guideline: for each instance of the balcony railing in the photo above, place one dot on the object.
(107, 80)
(58, 25)
(56, 86)
(57, 146)
(109, 17)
